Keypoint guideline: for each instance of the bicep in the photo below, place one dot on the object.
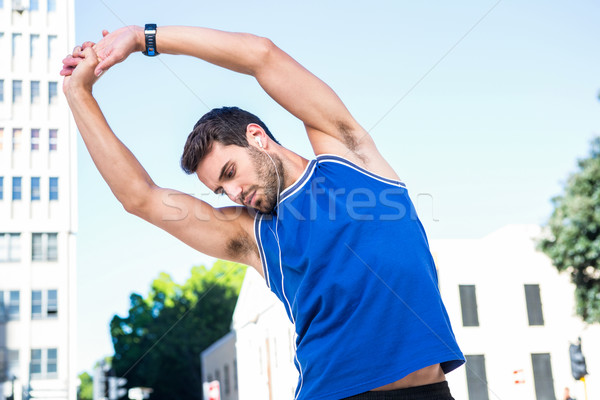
(304, 95)
(224, 233)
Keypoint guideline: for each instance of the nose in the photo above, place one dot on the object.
(233, 192)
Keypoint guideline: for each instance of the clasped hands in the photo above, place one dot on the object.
(87, 62)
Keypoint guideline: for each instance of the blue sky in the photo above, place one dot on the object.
(483, 139)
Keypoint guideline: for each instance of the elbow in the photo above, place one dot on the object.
(135, 203)
(264, 49)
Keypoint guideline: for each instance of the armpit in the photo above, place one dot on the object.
(351, 141)
(241, 246)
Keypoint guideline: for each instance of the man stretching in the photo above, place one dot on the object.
(336, 238)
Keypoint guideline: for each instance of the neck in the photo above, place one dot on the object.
(293, 164)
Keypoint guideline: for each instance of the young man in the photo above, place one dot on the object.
(336, 238)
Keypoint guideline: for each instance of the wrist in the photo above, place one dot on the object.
(140, 38)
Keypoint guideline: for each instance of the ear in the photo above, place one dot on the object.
(256, 136)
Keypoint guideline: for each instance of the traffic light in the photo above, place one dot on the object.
(116, 387)
(578, 368)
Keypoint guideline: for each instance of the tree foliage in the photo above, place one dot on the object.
(158, 344)
(573, 234)
(86, 387)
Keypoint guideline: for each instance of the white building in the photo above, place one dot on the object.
(512, 313)
(514, 317)
(38, 208)
(219, 364)
(264, 343)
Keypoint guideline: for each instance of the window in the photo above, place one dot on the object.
(34, 46)
(52, 362)
(2, 307)
(51, 5)
(44, 247)
(468, 305)
(52, 304)
(13, 304)
(10, 247)
(35, 139)
(9, 363)
(13, 363)
(44, 363)
(542, 376)
(16, 44)
(1, 90)
(3, 365)
(53, 139)
(1, 188)
(44, 304)
(53, 188)
(36, 304)
(52, 50)
(534, 305)
(34, 5)
(16, 187)
(226, 379)
(17, 134)
(17, 94)
(52, 92)
(35, 92)
(218, 376)
(476, 377)
(36, 362)
(35, 188)
(235, 377)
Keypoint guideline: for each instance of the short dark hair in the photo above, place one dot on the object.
(226, 125)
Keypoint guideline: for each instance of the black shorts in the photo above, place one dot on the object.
(435, 391)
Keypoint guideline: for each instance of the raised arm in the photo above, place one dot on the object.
(224, 233)
(329, 125)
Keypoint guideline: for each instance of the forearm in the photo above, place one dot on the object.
(240, 52)
(118, 166)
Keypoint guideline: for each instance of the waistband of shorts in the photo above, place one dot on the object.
(434, 391)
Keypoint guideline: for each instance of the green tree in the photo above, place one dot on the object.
(572, 239)
(86, 387)
(158, 344)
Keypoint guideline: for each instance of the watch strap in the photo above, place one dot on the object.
(150, 35)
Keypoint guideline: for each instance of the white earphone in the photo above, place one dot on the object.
(259, 141)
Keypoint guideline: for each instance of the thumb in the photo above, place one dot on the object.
(105, 64)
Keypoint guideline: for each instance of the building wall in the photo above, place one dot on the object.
(219, 363)
(498, 265)
(265, 343)
(37, 140)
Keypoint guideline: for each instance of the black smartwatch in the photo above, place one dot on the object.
(150, 33)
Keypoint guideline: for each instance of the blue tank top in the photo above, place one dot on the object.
(346, 254)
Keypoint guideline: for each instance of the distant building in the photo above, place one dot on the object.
(219, 364)
(265, 343)
(38, 203)
(512, 313)
(514, 317)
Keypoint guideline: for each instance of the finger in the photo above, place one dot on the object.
(104, 32)
(72, 61)
(87, 44)
(90, 57)
(78, 51)
(66, 71)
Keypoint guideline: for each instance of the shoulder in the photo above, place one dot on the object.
(356, 145)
